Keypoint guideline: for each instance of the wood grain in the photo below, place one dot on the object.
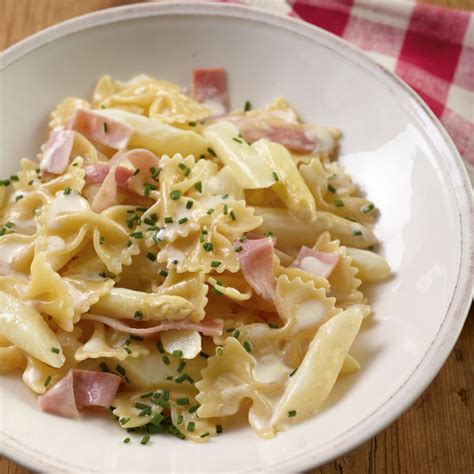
(435, 435)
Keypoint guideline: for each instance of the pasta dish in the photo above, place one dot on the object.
(178, 264)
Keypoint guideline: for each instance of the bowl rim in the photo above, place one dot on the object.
(457, 311)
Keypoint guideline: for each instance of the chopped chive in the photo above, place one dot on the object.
(102, 240)
(55, 350)
(192, 124)
(350, 219)
(215, 263)
(238, 140)
(191, 426)
(10, 225)
(174, 262)
(226, 209)
(273, 325)
(159, 346)
(106, 129)
(367, 208)
(187, 172)
(219, 350)
(157, 419)
(145, 439)
(225, 196)
(332, 189)
(292, 413)
(67, 191)
(210, 211)
(357, 232)
(236, 333)
(177, 353)
(247, 346)
(127, 350)
(124, 421)
(136, 172)
(181, 366)
(205, 435)
(165, 394)
(151, 256)
(135, 338)
(180, 378)
(183, 220)
(238, 249)
(126, 440)
(103, 367)
(189, 204)
(339, 203)
(247, 106)
(217, 292)
(175, 195)
(179, 419)
(204, 355)
(219, 429)
(47, 381)
(182, 166)
(14, 177)
(148, 221)
(182, 401)
(194, 408)
(168, 220)
(211, 151)
(208, 247)
(169, 377)
(233, 216)
(293, 372)
(30, 183)
(243, 239)
(137, 235)
(141, 406)
(138, 315)
(269, 234)
(120, 369)
(166, 360)
(198, 186)
(275, 176)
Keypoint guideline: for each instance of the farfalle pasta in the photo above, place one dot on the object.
(168, 259)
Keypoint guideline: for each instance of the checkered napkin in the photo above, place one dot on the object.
(431, 48)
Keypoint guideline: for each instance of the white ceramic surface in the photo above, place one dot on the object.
(393, 146)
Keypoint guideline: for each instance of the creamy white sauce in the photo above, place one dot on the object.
(310, 313)
(65, 204)
(316, 267)
(55, 243)
(8, 251)
(324, 138)
(215, 107)
(269, 369)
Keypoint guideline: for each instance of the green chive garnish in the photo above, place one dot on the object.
(175, 195)
(194, 408)
(138, 315)
(191, 426)
(357, 232)
(126, 440)
(105, 127)
(238, 140)
(183, 220)
(367, 208)
(137, 235)
(233, 216)
(103, 367)
(55, 350)
(210, 211)
(332, 189)
(120, 369)
(47, 381)
(292, 413)
(204, 355)
(192, 124)
(159, 346)
(189, 204)
(166, 360)
(215, 263)
(208, 247)
(182, 401)
(293, 372)
(212, 152)
(181, 366)
(338, 203)
(247, 346)
(247, 106)
(177, 353)
(151, 256)
(275, 176)
(198, 187)
(219, 429)
(236, 333)
(145, 439)
(273, 325)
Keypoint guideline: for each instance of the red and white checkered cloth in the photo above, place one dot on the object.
(431, 48)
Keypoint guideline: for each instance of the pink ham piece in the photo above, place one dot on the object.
(57, 151)
(210, 85)
(140, 158)
(80, 388)
(100, 129)
(96, 174)
(318, 263)
(256, 263)
(212, 327)
(291, 135)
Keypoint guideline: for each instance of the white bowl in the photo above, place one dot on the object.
(393, 146)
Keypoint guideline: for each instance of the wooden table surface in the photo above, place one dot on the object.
(435, 435)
